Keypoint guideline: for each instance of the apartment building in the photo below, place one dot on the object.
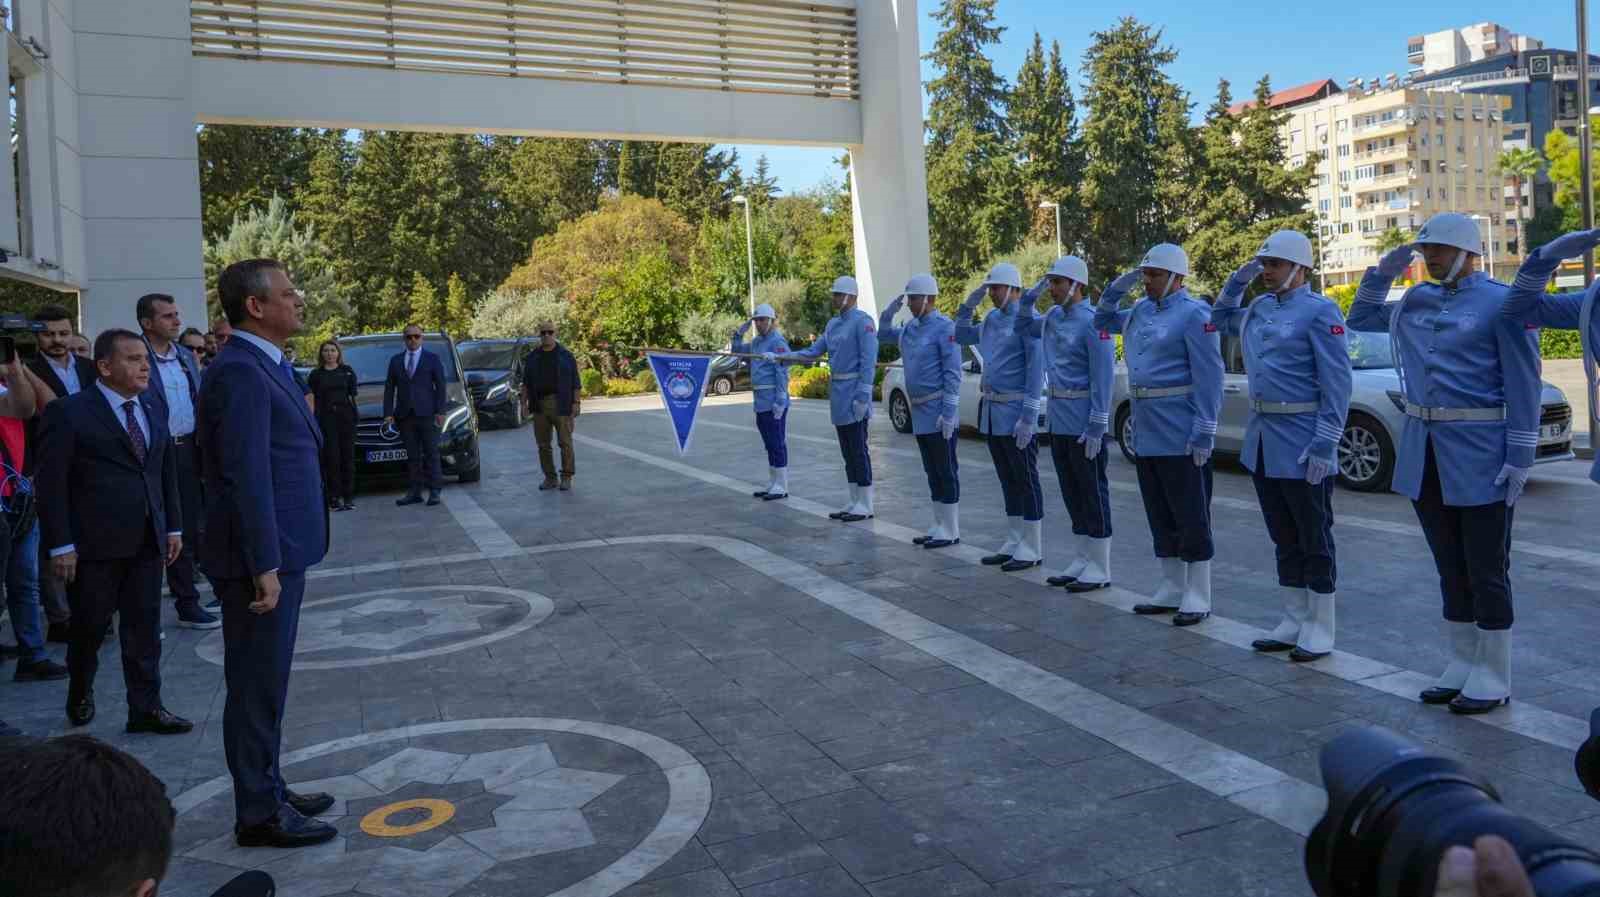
(1429, 53)
(1389, 157)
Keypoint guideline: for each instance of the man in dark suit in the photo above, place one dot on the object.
(414, 398)
(266, 523)
(66, 374)
(108, 500)
(174, 389)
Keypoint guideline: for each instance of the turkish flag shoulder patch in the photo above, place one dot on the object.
(871, 329)
(952, 337)
(1531, 325)
(1210, 327)
(1105, 334)
(782, 349)
(1336, 330)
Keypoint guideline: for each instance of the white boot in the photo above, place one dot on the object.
(855, 496)
(1463, 639)
(1197, 592)
(1030, 550)
(950, 520)
(1174, 580)
(1316, 636)
(863, 505)
(780, 481)
(1296, 610)
(1097, 566)
(1490, 679)
(935, 529)
(1013, 536)
(1080, 552)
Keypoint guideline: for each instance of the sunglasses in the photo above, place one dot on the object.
(547, 333)
(412, 336)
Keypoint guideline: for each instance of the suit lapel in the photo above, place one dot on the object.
(99, 407)
(277, 375)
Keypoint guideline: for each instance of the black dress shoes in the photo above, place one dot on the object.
(287, 828)
(1081, 586)
(80, 708)
(849, 517)
(1474, 706)
(1013, 566)
(760, 494)
(940, 543)
(433, 500)
(309, 805)
(1060, 580)
(1301, 655)
(1189, 618)
(408, 500)
(1437, 695)
(921, 540)
(161, 722)
(1270, 646)
(994, 560)
(1150, 610)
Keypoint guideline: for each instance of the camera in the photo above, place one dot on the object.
(14, 324)
(1393, 810)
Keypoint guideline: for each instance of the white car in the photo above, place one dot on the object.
(898, 401)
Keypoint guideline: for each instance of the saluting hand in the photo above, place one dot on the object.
(1126, 280)
(1395, 262)
(1571, 245)
(267, 591)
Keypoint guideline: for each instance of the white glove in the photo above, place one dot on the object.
(1317, 468)
(743, 327)
(976, 296)
(1515, 479)
(1200, 455)
(1395, 262)
(778, 411)
(947, 426)
(1125, 282)
(769, 356)
(1571, 245)
(1247, 272)
(861, 410)
(1023, 430)
(1091, 447)
(894, 307)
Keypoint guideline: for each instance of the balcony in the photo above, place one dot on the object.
(1397, 125)
(1398, 151)
(1399, 180)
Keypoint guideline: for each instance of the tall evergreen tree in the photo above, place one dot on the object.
(967, 92)
(1135, 138)
(761, 186)
(242, 168)
(1044, 115)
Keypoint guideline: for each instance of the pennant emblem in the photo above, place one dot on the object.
(681, 380)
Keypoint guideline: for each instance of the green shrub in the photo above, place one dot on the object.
(593, 382)
(623, 386)
(809, 383)
(1559, 344)
(645, 381)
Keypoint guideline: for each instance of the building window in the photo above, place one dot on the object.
(1344, 150)
(1427, 166)
(1323, 205)
(1345, 202)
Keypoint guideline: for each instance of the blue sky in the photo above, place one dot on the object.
(1240, 41)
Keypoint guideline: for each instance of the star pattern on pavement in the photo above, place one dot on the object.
(389, 624)
(511, 804)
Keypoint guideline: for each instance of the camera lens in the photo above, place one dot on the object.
(1393, 810)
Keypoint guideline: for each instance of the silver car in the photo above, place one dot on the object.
(1377, 413)
(899, 403)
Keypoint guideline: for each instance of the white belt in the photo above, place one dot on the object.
(1261, 407)
(768, 386)
(1069, 393)
(1423, 412)
(850, 375)
(925, 399)
(1003, 396)
(1158, 392)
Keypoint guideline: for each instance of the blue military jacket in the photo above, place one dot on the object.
(1168, 343)
(851, 343)
(1013, 365)
(931, 360)
(1078, 357)
(1294, 353)
(1530, 304)
(1454, 349)
(768, 379)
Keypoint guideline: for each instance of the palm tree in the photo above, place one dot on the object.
(1519, 164)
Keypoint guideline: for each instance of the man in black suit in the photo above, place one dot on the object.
(66, 374)
(108, 500)
(414, 398)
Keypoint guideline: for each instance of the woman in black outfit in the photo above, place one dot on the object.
(333, 385)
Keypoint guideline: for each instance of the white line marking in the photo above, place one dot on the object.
(480, 527)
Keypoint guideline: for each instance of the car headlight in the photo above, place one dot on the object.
(1398, 399)
(457, 419)
(498, 390)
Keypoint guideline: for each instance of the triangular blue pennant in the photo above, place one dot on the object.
(682, 382)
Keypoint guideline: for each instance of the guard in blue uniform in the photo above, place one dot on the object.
(851, 343)
(1470, 379)
(1299, 369)
(932, 364)
(1530, 304)
(1013, 379)
(1174, 362)
(1079, 362)
(770, 383)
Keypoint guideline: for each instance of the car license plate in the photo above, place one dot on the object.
(1552, 431)
(386, 455)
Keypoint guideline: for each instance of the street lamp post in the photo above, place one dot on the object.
(1047, 204)
(1491, 239)
(1585, 151)
(749, 250)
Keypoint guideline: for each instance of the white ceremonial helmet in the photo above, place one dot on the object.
(1289, 245)
(764, 311)
(1452, 229)
(1005, 274)
(1168, 257)
(846, 284)
(922, 285)
(1072, 268)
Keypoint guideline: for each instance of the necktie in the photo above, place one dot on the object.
(411, 364)
(288, 370)
(135, 432)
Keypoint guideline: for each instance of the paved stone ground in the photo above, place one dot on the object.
(656, 685)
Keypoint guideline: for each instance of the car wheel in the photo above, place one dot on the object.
(471, 476)
(1366, 455)
(1125, 432)
(722, 386)
(899, 412)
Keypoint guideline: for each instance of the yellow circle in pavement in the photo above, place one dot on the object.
(376, 823)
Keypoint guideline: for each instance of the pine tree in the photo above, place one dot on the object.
(762, 186)
(1044, 115)
(458, 307)
(967, 92)
(1135, 135)
(423, 305)
(242, 168)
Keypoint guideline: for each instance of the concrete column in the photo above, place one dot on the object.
(888, 182)
(140, 161)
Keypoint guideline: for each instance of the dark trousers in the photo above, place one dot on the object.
(939, 461)
(258, 651)
(339, 453)
(1177, 502)
(1019, 476)
(1084, 487)
(180, 573)
(1472, 550)
(853, 445)
(421, 436)
(774, 435)
(1299, 519)
(131, 589)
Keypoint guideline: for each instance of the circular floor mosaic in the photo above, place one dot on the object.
(390, 625)
(531, 806)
